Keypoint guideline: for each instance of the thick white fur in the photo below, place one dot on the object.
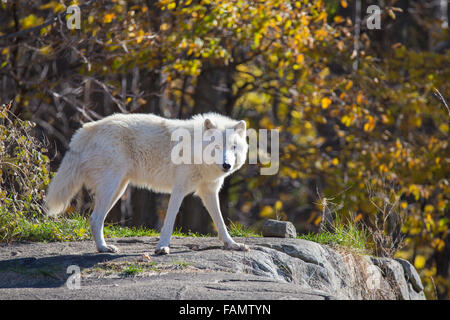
(122, 149)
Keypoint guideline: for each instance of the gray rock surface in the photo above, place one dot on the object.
(279, 229)
(403, 278)
(198, 268)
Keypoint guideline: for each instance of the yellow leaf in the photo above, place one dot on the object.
(278, 205)
(318, 220)
(321, 34)
(31, 21)
(414, 189)
(382, 168)
(295, 114)
(338, 19)
(304, 20)
(164, 27)
(344, 3)
(325, 102)
(349, 85)
(266, 123)
(370, 124)
(266, 212)
(335, 161)
(347, 120)
(403, 204)
(417, 122)
(438, 244)
(419, 262)
(322, 16)
(293, 174)
(359, 98)
(140, 36)
(108, 18)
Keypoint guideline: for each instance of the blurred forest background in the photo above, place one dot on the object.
(363, 122)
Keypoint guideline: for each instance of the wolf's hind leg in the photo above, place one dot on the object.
(106, 195)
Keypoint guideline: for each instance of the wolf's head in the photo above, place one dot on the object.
(224, 144)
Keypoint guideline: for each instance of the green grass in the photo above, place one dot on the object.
(348, 236)
(114, 231)
(47, 229)
(121, 268)
(236, 229)
(73, 227)
(70, 227)
(179, 233)
(180, 264)
(132, 270)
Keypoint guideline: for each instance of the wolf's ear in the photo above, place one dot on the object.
(208, 124)
(240, 128)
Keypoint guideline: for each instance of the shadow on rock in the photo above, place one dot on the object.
(46, 272)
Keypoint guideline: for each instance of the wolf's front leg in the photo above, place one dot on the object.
(175, 200)
(211, 201)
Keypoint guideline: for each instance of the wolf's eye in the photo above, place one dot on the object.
(233, 147)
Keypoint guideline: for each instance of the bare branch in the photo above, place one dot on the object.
(442, 99)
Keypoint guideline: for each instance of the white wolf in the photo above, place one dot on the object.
(108, 154)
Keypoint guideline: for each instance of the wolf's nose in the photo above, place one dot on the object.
(226, 166)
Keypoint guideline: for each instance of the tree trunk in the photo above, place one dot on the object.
(442, 259)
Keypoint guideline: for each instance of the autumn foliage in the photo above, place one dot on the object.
(361, 126)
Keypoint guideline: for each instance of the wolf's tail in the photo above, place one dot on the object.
(65, 184)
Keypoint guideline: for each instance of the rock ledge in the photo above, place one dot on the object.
(198, 268)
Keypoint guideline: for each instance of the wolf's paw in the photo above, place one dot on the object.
(162, 250)
(236, 246)
(109, 248)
